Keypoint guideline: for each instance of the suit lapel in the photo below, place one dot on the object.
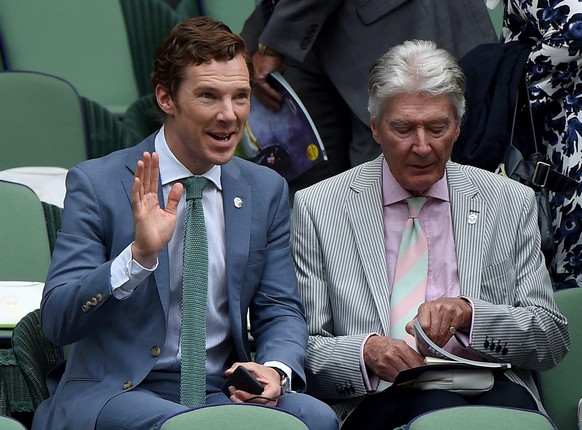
(237, 203)
(365, 213)
(469, 215)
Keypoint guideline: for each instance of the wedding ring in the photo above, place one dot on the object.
(452, 330)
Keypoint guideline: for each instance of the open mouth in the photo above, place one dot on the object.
(222, 137)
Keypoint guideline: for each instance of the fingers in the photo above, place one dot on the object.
(441, 318)
(386, 356)
(267, 95)
(174, 198)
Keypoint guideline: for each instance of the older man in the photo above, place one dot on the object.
(473, 274)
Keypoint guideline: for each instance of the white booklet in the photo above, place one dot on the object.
(438, 358)
(434, 354)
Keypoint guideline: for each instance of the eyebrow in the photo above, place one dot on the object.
(402, 122)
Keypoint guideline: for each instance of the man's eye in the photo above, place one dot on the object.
(207, 95)
(438, 131)
(402, 130)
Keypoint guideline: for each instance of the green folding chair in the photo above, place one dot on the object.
(81, 41)
(41, 121)
(562, 385)
(8, 423)
(23, 235)
(232, 12)
(104, 48)
(233, 416)
(480, 418)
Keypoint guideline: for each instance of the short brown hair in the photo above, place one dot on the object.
(193, 42)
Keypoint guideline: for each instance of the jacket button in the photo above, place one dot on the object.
(85, 308)
(94, 301)
(98, 297)
(155, 351)
(88, 304)
(127, 385)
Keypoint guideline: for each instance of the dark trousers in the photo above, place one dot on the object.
(396, 406)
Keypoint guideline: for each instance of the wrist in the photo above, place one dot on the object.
(284, 382)
(265, 50)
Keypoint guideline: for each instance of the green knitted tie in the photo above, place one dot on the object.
(194, 291)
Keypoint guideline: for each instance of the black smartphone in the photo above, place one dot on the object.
(242, 379)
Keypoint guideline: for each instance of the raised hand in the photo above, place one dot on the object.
(154, 225)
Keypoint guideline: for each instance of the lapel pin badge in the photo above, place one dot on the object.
(238, 203)
(472, 218)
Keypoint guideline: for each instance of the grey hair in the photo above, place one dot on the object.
(416, 67)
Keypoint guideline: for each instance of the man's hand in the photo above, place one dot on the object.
(442, 317)
(267, 376)
(387, 357)
(154, 226)
(265, 93)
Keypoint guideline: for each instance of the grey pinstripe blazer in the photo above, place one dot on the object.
(339, 253)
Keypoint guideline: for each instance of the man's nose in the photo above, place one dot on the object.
(226, 112)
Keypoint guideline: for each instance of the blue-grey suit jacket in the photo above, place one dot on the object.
(113, 341)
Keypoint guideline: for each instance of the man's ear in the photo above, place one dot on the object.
(164, 100)
(374, 128)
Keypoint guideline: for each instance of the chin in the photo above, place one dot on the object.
(223, 158)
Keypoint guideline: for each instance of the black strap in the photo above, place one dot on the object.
(535, 171)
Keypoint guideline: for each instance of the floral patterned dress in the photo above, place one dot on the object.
(554, 73)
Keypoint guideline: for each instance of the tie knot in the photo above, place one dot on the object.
(415, 204)
(194, 186)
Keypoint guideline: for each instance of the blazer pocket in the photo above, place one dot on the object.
(372, 10)
(498, 282)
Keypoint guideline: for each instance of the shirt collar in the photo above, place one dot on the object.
(172, 170)
(392, 191)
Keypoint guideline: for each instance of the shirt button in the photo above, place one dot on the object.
(155, 351)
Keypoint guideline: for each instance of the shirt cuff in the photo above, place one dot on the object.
(465, 337)
(126, 274)
(281, 366)
(371, 380)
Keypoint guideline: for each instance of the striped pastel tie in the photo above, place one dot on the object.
(409, 288)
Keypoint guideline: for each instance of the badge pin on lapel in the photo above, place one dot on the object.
(472, 218)
(238, 203)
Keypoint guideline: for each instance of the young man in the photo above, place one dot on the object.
(116, 283)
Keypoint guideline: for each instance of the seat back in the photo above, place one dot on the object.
(232, 13)
(41, 121)
(7, 423)
(234, 416)
(480, 418)
(35, 355)
(82, 41)
(562, 385)
(23, 235)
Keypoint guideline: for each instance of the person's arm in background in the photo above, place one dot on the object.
(290, 32)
